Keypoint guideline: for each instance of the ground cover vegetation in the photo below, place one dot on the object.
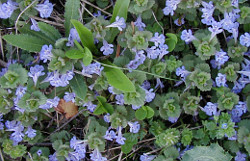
(148, 80)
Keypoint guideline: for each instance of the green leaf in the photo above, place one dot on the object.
(144, 112)
(87, 56)
(71, 12)
(209, 153)
(74, 54)
(78, 86)
(118, 79)
(121, 10)
(150, 112)
(49, 31)
(127, 147)
(171, 41)
(103, 107)
(85, 35)
(26, 30)
(141, 113)
(26, 42)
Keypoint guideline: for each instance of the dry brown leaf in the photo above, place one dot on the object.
(69, 109)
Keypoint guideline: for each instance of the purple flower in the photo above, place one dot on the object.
(150, 95)
(221, 80)
(110, 135)
(50, 103)
(153, 52)
(171, 6)
(228, 22)
(119, 99)
(235, 3)
(139, 59)
(45, 53)
(97, 156)
(207, 13)
(39, 152)
(73, 35)
(187, 36)
(179, 21)
(20, 91)
(134, 127)
(69, 97)
(17, 128)
(215, 29)
(90, 106)
(107, 49)
(163, 49)
(146, 157)
(238, 86)
(159, 83)
(221, 58)
(240, 156)
(158, 39)
(74, 143)
(182, 72)
(31, 133)
(245, 39)
(242, 106)
(45, 9)
(59, 80)
(146, 85)
(36, 72)
(107, 118)
(1, 124)
(224, 126)
(210, 109)
(34, 25)
(6, 9)
(173, 119)
(119, 23)
(94, 68)
(139, 24)
(53, 157)
(119, 138)
(134, 107)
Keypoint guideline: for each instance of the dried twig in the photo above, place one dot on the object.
(72, 118)
(97, 7)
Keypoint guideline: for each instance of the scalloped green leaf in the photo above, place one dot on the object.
(207, 153)
(171, 41)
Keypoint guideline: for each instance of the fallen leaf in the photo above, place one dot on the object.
(69, 109)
